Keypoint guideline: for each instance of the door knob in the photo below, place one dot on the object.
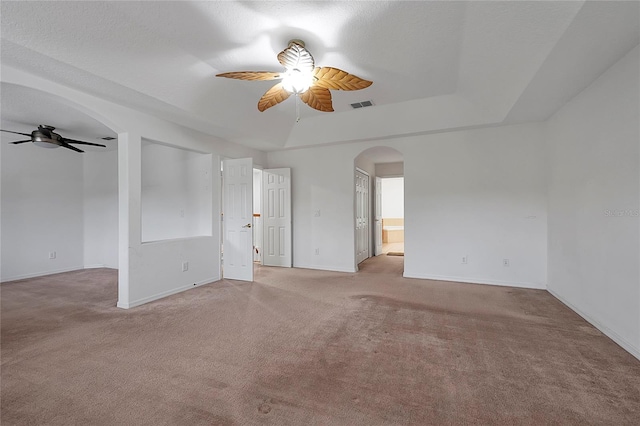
(248, 225)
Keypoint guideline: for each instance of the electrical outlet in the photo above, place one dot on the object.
(185, 266)
(505, 262)
(317, 251)
(465, 260)
(52, 255)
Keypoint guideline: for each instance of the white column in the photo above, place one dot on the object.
(129, 196)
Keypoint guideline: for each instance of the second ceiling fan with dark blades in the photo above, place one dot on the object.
(45, 137)
(301, 78)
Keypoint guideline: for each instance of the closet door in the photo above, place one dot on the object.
(362, 215)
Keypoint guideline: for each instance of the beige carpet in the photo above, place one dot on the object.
(302, 347)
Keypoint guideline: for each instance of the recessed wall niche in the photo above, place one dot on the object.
(176, 193)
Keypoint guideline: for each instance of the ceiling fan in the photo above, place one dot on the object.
(45, 137)
(301, 78)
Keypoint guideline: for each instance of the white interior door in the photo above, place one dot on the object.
(276, 214)
(378, 216)
(362, 216)
(237, 219)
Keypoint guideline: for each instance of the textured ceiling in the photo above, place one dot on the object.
(436, 66)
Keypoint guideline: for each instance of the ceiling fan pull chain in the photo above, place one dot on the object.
(297, 108)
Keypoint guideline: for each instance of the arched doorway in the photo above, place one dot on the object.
(371, 166)
(76, 192)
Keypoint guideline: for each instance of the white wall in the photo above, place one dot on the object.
(390, 169)
(393, 197)
(594, 186)
(42, 210)
(479, 194)
(322, 187)
(57, 200)
(100, 183)
(476, 193)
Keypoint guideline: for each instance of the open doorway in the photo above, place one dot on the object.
(262, 205)
(392, 216)
(257, 219)
(372, 167)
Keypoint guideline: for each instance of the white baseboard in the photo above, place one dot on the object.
(537, 286)
(326, 268)
(621, 341)
(94, 266)
(164, 294)
(41, 274)
(99, 265)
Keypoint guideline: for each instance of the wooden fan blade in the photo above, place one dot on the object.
(318, 98)
(272, 97)
(65, 140)
(336, 79)
(66, 145)
(251, 75)
(17, 133)
(296, 57)
(17, 142)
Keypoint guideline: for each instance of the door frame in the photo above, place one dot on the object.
(377, 216)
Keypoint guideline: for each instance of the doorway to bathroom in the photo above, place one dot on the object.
(392, 215)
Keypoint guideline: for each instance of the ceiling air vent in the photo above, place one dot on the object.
(107, 138)
(362, 104)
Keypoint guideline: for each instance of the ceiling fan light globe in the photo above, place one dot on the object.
(44, 138)
(296, 81)
(43, 144)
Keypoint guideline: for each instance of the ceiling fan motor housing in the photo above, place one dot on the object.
(296, 41)
(45, 137)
